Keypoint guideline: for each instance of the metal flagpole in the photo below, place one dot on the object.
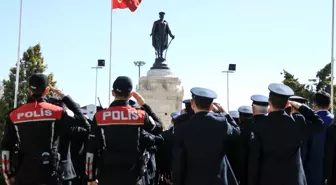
(332, 56)
(18, 60)
(110, 62)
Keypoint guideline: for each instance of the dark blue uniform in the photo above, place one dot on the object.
(115, 140)
(71, 172)
(305, 142)
(201, 144)
(330, 155)
(277, 139)
(247, 126)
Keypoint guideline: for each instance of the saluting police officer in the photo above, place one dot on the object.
(201, 143)
(36, 128)
(116, 134)
(296, 115)
(188, 113)
(71, 146)
(276, 140)
(245, 115)
(234, 115)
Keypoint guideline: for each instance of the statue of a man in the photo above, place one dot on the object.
(160, 32)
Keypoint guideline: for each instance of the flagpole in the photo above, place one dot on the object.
(18, 60)
(332, 56)
(110, 62)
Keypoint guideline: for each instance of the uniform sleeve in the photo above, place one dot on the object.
(231, 121)
(152, 126)
(7, 145)
(179, 158)
(95, 146)
(148, 140)
(314, 122)
(73, 113)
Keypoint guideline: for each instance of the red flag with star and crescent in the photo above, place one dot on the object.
(122, 4)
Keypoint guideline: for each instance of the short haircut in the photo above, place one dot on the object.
(203, 103)
(322, 99)
(123, 95)
(278, 102)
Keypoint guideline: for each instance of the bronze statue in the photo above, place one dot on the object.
(160, 32)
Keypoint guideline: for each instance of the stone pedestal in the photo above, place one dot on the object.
(163, 92)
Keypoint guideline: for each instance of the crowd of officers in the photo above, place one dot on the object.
(278, 140)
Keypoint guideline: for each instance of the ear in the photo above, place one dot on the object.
(212, 106)
(329, 107)
(192, 102)
(113, 93)
(129, 96)
(46, 91)
(29, 91)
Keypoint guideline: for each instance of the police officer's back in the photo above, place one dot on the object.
(36, 127)
(187, 115)
(279, 139)
(116, 133)
(201, 142)
(70, 167)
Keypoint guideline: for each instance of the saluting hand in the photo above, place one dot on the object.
(295, 105)
(58, 92)
(219, 107)
(138, 98)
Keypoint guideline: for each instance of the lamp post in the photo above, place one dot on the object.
(100, 65)
(139, 64)
(16, 91)
(231, 69)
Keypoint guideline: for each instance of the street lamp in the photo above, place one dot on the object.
(100, 65)
(231, 69)
(139, 64)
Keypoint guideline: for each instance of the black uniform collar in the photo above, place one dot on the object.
(201, 113)
(278, 112)
(119, 103)
(32, 99)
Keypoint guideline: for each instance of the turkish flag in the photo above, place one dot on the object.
(122, 4)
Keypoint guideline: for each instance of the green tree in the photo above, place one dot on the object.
(299, 89)
(321, 82)
(32, 62)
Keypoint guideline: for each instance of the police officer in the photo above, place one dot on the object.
(235, 115)
(201, 143)
(245, 114)
(36, 128)
(306, 143)
(187, 114)
(78, 143)
(71, 146)
(277, 139)
(165, 153)
(116, 134)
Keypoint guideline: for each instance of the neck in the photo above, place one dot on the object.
(201, 110)
(258, 113)
(272, 109)
(120, 99)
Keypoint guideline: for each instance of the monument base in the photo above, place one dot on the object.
(163, 92)
(160, 63)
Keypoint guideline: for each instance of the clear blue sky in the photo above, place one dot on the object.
(261, 36)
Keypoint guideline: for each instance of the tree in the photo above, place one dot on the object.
(302, 90)
(321, 82)
(1, 90)
(32, 62)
